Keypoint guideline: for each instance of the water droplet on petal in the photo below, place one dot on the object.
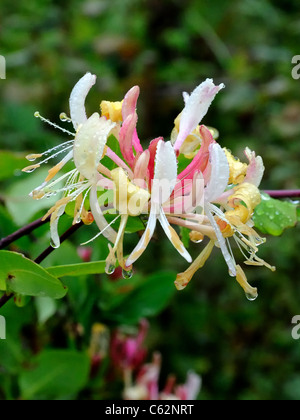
(251, 296)
(30, 169)
(37, 114)
(197, 241)
(110, 269)
(54, 244)
(33, 157)
(127, 274)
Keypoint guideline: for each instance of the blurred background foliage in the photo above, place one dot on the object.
(243, 350)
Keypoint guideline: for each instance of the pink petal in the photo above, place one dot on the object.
(152, 149)
(128, 108)
(255, 169)
(130, 101)
(126, 138)
(200, 161)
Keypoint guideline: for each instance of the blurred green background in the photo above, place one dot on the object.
(243, 350)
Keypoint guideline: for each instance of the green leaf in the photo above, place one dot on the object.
(11, 163)
(147, 299)
(183, 162)
(22, 276)
(114, 145)
(55, 374)
(77, 269)
(134, 224)
(274, 216)
(185, 236)
(45, 307)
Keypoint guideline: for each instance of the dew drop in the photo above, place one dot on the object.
(37, 114)
(54, 244)
(30, 169)
(251, 297)
(127, 274)
(64, 118)
(33, 157)
(110, 269)
(197, 241)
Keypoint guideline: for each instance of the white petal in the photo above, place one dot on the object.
(219, 173)
(145, 239)
(100, 220)
(77, 99)
(196, 107)
(165, 172)
(186, 97)
(89, 145)
(173, 237)
(193, 385)
(226, 254)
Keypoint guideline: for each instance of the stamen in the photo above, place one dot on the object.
(32, 157)
(55, 154)
(31, 168)
(59, 146)
(38, 115)
(69, 174)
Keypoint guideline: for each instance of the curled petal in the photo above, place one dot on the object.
(77, 99)
(255, 169)
(196, 107)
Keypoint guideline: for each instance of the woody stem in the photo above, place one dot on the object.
(4, 242)
(283, 193)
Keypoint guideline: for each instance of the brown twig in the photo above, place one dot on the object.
(4, 242)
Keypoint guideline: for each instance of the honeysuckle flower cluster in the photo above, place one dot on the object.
(146, 384)
(213, 196)
(141, 380)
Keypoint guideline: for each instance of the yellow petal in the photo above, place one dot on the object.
(237, 169)
(184, 278)
(112, 110)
